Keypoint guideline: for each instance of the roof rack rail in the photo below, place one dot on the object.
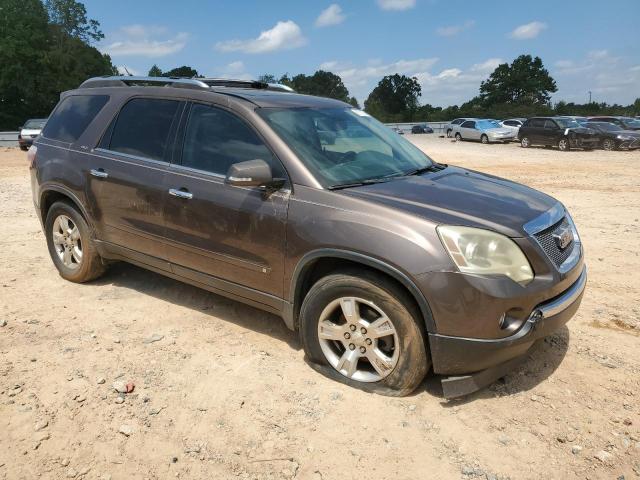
(238, 83)
(126, 81)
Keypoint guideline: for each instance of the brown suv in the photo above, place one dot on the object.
(387, 263)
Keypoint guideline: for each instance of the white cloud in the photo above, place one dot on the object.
(488, 66)
(283, 36)
(528, 30)
(332, 15)
(396, 4)
(452, 30)
(144, 41)
(610, 78)
(235, 67)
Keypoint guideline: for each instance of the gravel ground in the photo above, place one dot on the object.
(222, 390)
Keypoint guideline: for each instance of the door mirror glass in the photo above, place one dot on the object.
(250, 173)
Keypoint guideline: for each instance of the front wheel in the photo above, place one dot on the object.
(70, 244)
(564, 145)
(359, 328)
(484, 139)
(609, 144)
(458, 137)
(525, 142)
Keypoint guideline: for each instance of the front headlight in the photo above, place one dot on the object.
(484, 252)
(624, 137)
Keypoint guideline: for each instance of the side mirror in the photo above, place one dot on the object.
(252, 173)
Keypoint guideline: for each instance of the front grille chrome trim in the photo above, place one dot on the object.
(544, 221)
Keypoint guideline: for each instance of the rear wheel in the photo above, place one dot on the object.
(608, 144)
(360, 329)
(484, 139)
(70, 244)
(564, 145)
(448, 133)
(458, 137)
(525, 142)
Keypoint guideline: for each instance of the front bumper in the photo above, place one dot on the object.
(478, 362)
(584, 142)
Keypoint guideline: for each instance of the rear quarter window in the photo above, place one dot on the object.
(72, 116)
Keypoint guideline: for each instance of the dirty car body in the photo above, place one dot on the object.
(367, 201)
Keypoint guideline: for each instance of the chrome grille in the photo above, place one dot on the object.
(549, 245)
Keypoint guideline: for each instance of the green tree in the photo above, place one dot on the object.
(322, 84)
(636, 106)
(267, 78)
(525, 81)
(354, 101)
(183, 71)
(71, 17)
(155, 71)
(395, 98)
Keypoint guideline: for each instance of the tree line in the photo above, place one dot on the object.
(48, 47)
(45, 48)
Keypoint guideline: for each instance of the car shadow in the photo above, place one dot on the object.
(542, 359)
(144, 281)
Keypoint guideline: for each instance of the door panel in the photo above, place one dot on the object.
(232, 233)
(235, 234)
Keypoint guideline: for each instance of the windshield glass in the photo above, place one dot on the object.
(609, 127)
(485, 124)
(341, 146)
(630, 122)
(34, 124)
(566, 122)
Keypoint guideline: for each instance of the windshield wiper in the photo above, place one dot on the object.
(435, 167)
(368, 181)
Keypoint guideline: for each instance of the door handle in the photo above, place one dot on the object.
(180, 193)
(99, 172)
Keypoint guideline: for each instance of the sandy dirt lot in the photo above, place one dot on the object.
(224, 392)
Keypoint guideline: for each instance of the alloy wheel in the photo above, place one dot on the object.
(563, 144)
(524, 142)
(358, 339)
(67, 242)
(608, 144)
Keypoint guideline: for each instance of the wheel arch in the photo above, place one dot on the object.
(54, 193)
(318, 263)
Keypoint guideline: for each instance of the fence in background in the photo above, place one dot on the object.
(438, 127)
(8, 139)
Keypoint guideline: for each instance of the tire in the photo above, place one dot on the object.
(72, 248)
(458, 137)
(23, 148)
(564, 145)
(448, 133)
(609, 144)
(525, 142)
(404, 361)
(484, 139)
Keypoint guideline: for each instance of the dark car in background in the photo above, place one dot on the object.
(626, 123)
(387, 264)
(613, 137)
(29, 132)
(562, 132)
(422, 128)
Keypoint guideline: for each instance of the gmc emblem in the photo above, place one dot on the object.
(563, 238)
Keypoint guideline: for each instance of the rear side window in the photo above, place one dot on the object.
(216, 139)
(550, 124)
(142, 128)
(468, 124)
(73, 116)
(536, 122)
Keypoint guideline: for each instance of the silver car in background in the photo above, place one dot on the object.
(449, 128)
(486, 131)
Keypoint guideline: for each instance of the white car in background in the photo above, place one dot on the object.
(450, 127)
(486, 131)
(29, 132)
(513, 124)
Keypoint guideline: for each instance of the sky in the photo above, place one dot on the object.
(450, 46)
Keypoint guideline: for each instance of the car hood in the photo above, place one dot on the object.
(581, 130)
(30, 131)
(456, 196)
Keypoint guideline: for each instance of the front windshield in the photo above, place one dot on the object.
(567, 122)
(342, 146)
(631, 123)
(35, 124)
(485, 124)
(609, 127)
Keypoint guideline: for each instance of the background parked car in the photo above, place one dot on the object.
(29, 132)
(454, 123)
(626, 123)
(563, 132)
(487, 131)
(613, 137)
(513, 124)
(421, 129)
